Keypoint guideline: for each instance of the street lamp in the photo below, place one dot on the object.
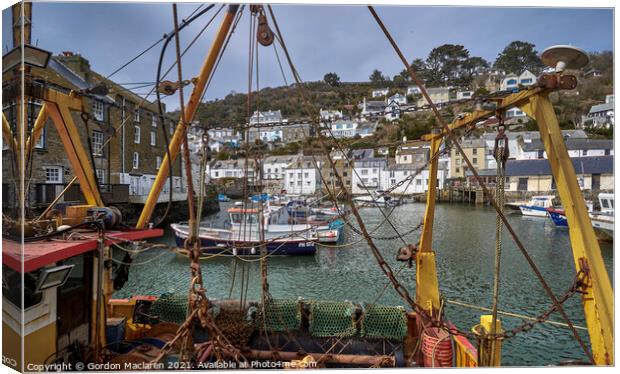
(32, 56)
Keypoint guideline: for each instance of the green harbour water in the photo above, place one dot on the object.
(464, 241)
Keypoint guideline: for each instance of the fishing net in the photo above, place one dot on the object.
(382, 321)
(280, 315)
(170, 308)
(328, 318)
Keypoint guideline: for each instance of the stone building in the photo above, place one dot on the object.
(125, 165)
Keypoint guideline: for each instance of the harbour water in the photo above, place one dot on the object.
(464, 242)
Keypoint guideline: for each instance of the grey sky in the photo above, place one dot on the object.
(343, 39)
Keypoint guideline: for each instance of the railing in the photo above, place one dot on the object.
(465, 353)
(45, 193)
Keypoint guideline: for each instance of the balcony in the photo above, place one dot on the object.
(45, 193)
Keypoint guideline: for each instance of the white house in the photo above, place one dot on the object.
(576, 148)
(413, 90)
(330, 115)
(343, 129)
(396, 173)
(438, 95)
(413, 152)
(380, 92)
(232, 169)
(219, 137)
(601, 115)
(366, 174)
(513, 81)
(464, 95)
(270, 134)
(274, 167)
(399, 98)
(392, 111)
(301, 176)
(370, 108)
(267, 118)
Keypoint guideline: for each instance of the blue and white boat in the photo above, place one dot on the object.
(537, 206)
(558, 217)
(222, 198)
(244, 237)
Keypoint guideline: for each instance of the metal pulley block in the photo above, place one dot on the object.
(407, 253)
(170, 88)
(264, 34)
(501, 150)
(557, 81)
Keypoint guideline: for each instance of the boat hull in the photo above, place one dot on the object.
(558, 218)
(533, 211)
(603, 227)
(225, 247)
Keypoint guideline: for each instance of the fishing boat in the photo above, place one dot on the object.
(378, 198)
(558, 217)
(537, 206)
(59, 293)
(245, 238)
(603, 220)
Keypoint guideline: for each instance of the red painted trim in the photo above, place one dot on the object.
(43, 253)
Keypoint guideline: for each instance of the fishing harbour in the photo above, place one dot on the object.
(287, 280)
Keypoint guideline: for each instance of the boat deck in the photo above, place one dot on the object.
(45, 252)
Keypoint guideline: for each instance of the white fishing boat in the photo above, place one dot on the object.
(537, 206)
(378, 198)
(603, 220)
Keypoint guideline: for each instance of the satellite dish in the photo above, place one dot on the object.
(563, 57)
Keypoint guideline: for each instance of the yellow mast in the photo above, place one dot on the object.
(190, 111)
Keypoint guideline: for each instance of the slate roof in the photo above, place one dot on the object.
(582, 165)
(572, 144)
(601, 108)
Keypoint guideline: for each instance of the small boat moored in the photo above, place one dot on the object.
(537, 206)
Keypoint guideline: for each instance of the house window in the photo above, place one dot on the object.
(100, 175)
(97, 110)
(136, 115)
(40, 144)
(306, 175)
(522, 186)
(136, 160)
(418, 182)
(364, 171)
(607, 152)
(158, 162)
(53, 174)
(475, 160)
(458, 170)
(154, 120)
(541, 154)
(153, 138)
(97, 143)
(217, 174)
(474, 151)
(136, 134)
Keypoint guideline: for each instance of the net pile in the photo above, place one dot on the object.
(382, 321)
(328, 318)
(280, 315)
(170, 308)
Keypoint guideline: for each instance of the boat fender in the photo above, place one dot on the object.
(234, 251)
(253, 250)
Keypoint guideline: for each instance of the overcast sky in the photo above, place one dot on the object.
(342, 39)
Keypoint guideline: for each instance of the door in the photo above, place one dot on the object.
(596, 182)
(134, 185)
(522, 184)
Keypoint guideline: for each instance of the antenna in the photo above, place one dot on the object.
(563, 57)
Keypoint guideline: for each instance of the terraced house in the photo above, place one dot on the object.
(123, 130)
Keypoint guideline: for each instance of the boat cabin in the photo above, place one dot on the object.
(606, 200)
(58, 310)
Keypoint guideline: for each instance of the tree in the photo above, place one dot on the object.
(377, 77)
(332, 79)
(519, 56)
(444, 63)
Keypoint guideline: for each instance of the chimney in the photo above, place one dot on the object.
(76, 63)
